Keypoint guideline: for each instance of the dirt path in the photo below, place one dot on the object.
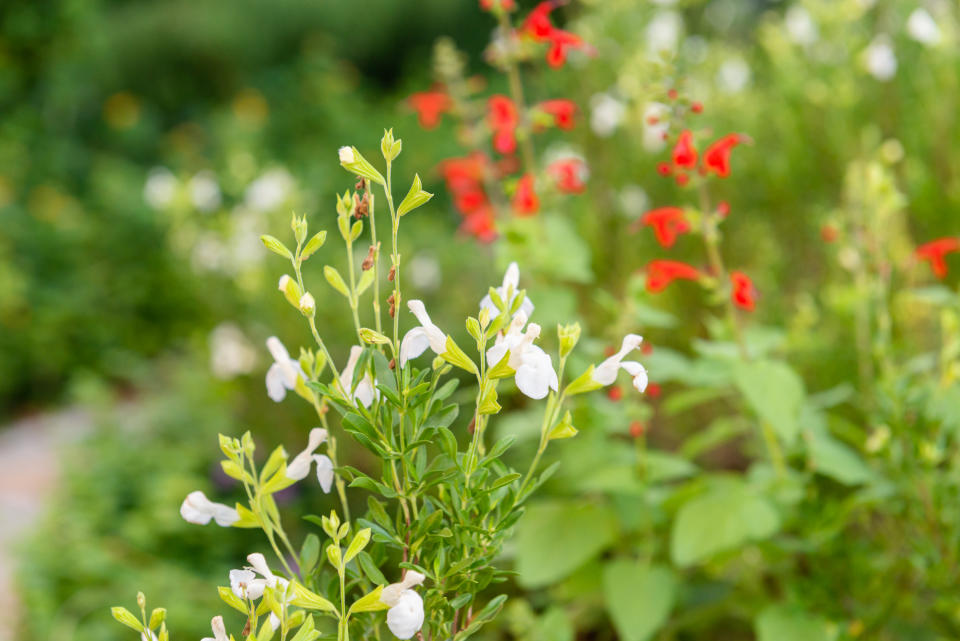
(29, 470)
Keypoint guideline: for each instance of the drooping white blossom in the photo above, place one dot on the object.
(418, 339)
(246, 585)
(535, 375)
(405, 616)
(197, 508)
(922, 27)
(282, 375)
(299, 467)
(606, 372)
(508, 293)
(366, 390)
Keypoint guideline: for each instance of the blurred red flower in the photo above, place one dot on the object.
(569, 175)
(744, 294)
(935, 252)
(717, 156)
(430, 105)
(502, 118)
(562, 111)
(667, 224)
(525, 201)
(661, 273)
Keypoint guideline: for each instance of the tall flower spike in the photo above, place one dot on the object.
(508, 292)
(282, 375)
(197, 508)
(366, 390)
(405, 616)
(606, 372)
(299, 467)
(418, 339)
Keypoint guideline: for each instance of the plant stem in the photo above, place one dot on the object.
(516, 94)
(376, 261)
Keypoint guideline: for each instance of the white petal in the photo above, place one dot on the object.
(413, 344)
(219, 631)
(638, 372)
(496, 353)
(276, 390)
(511, 278)
(412, 578)
(255, 588)
(606, 372)
(406, 618)
(240, 581)
(532, 382)
(299, 467)
(224, 515)
(487, 303)
(196, 508)
(418, 310)
(365, 392)
(259, 563)
(277, 350)
(438, 340)
(324, 471)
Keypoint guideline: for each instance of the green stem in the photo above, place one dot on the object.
(376, 262)
(516, 93)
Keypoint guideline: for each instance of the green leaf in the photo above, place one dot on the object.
(304, 598)
(554, 538)
(723, 518)
(370, 602)
(232, 599)
(313, 245)
(366, 279)
(356, 546)
(157, 617)
(126, 617)
(780, 623)
(277, 247)
(414, 198)
(336, 280)
(309, 553)
(774, 392)
(833, 458)
(638, 597)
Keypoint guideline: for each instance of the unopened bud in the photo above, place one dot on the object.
(346, 155)
(141, 600)
(307, 305)
(569, 336)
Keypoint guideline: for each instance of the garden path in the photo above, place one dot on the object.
(29, 469)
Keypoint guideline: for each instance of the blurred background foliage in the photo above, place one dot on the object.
(146, 145)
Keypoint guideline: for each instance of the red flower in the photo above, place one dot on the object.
(661, 273)
(560, 42)
(717, 156)
(525, 201)
(569, 175)
(723, 208)
(653, 390)
(636, 429)
(481, 225)
(935, 251)
(696, 107)
(502, 118)
(465, 171)
(744, 294)
(664, 169)
(684, 153)
(667, 223)
(429, 106)
(829, 233)
(538, 24)
(615, 393)
(469, 200)
(682, 179)
(505, 5)
(562, 111)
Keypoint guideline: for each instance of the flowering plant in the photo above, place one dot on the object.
(439, 505)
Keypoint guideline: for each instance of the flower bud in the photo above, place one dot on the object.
(569, 337)
(346, 155)
(291, 290)
(307, 305)
(299, 227)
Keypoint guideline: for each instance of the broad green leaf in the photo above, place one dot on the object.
(780, 623)
(725, 517)
(833, 458)
(638, 597)
(554, 625)
(774, 392)
(557, 537)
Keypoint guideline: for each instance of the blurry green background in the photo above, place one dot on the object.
(144, 146)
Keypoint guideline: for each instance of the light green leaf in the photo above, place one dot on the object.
(557, 537)
(313, 245)
(725, 517)
(414, 198)
(277, 247)
(336, 280)
(638, 597)
(774, 392)
(126, 617)
(833, 458)
(370, 602)
(356, 546)
(780, 623)
(366, 279)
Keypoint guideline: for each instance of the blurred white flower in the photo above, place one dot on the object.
(299, 467)
(800, 26)
(922, 27)
(733, 75)
(282, 375)
(198, 509)
(606, 372)
(880, 59)
(508, 293)
(231, 354)
(424, 272)
(160, 187)
(204, 191)
(366, 390)
(405, 616)
(663, 32)
(418, 339)
(606, 114)
(633, 201)
(655, 126)
(208, 254)
(269, 190)
(535, 376)
(346, 155)
(695, 48)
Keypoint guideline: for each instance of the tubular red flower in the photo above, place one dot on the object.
(560, 42)
(569, 175)
(538, 25)
(562, 111)
(717, 156)
(525, 201)
(744, 294)
(667, 223)
(502, 119)
(481, 225)
(935, 252)
(684, 152)
(660, 273)
(430, 105)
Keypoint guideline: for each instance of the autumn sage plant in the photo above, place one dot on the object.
(440, 500)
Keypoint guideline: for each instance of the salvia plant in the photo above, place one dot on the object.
(441, 501)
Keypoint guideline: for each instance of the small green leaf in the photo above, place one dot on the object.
(781, 623)
(157, 617)
(313, 245)
(357, 545)
(370, 602)
(366, 279)
(277, 247)
(336, 280)
(126, 617)
(304, 598)
(775, 392)
(232, 599)
(414, 198)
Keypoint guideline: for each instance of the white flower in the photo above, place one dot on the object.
(282, 375)
(346, 155)
(299, 467)
(366, 390)
(418, 339)
(880, 59)
(800, 26)
(922, 27)
(246, 585)
(508, 293)
(324, 472)
(204, 191)
(606, 372)
(633, 201)
(733, 75)
(535, 376)
(197, 508)
(606, 114)
(663, 32)
(219, 630)
(269, 190)
(230, 352)
(160, 188)
(424, 272)
(405, 616)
